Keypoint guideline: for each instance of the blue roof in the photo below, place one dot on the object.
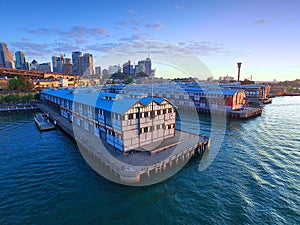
(118, 104)
(214, 92)
(148, 100)
(246, 86)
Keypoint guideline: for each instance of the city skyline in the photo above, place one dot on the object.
(262, 35)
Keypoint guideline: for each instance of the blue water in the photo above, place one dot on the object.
(255, 178)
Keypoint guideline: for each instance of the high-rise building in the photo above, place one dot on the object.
(57, 63)
(105, 72)
(34, 64)
(98, 70)
(6, 59)
(144, 66)
(54, 64)
(20, 60)
(85, 64)
(148, 66)
(111, 70)
(114, 69)
(75, 56)
(44, 67)
(126, 68)
(68, 68)
(68, 61)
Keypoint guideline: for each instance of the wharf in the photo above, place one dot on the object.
(18, 108)
(140, 167)
(247, 113)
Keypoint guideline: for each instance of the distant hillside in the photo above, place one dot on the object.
(295, 83)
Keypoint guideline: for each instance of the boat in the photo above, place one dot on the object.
(43, 123)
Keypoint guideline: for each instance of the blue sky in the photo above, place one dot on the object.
(264, 34)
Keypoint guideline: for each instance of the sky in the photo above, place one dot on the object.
(262, 34)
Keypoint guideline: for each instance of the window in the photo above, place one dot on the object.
(170, 110)
(130, 116)
(146, 114)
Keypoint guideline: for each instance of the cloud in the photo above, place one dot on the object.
(78, 33)
(203, 48)
(135, 21)
(25, 39)
(122, 23)
(261, 21)
(32, 49)
(103, 47)
(40, 50)
(157, 25)
(138, 28)
(130, 11)
(134, 37)
(178, 7)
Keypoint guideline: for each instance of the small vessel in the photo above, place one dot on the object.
(43, 123)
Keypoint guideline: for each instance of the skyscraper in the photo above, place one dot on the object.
(85, 64)
(148, 66)
(57, 63)
(20, 60)
(144, 66)
(105, 72)
(34, 65)
(98, 70)
(44, 67)
(6, 59)
(67, 66)
(126, 68)
(75, 56)
(68, 61)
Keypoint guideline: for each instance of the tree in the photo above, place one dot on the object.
(20, 83)
(30, 96)
(129, 80)
(9, 98)
(2, 100)
(17, 98)
(37, 96)
(24, 98)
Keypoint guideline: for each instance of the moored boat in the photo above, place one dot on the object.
(43, 122)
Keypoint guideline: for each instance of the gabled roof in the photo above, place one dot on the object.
(148, 100)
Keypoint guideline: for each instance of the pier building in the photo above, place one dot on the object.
(255, 93)
(199, 98)
(125, 121)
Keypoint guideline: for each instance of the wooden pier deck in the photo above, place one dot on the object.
(139, 166)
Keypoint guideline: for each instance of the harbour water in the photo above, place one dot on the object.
(254, 179)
